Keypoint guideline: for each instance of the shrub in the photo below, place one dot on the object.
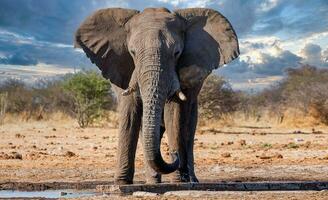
(3, 106)
(217, 98)
(90, 93)
(19, 97)
(304, 89)
(45, 96)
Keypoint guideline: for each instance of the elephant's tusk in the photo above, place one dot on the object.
(181, 96)
(128, 91)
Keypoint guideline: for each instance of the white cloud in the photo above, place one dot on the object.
(296, 44)
(256, 84)
(23, 39)
(41, 69)
(187, 3)
(267, 5)
(325, 56)
(313, 55)
(253, 48)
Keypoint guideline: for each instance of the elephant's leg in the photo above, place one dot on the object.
(174, 129)
(151, 175)
(130, 110)
(193, 116)
(180, 122)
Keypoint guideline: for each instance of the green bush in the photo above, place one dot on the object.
(90, 93)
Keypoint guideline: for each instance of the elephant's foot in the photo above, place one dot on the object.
(180, 177)
(153, 178)
(123, 177)
(194, 179)
(183, 177)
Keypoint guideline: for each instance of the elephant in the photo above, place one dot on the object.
(157, 61)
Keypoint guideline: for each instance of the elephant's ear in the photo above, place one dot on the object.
(210, 42)
(102, 37)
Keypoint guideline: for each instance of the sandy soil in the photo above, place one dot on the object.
(61, 151)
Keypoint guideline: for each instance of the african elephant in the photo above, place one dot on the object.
(157, 61)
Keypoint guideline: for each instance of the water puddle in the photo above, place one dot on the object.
(46, 194)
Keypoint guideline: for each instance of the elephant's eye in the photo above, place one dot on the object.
(176, 54)
(133, 53)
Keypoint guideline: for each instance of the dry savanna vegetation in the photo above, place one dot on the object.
(299, 100)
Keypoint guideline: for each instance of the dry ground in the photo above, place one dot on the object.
(60, 151)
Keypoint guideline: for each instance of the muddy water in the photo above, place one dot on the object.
(46, 194)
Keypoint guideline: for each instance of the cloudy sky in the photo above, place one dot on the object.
(36, 36)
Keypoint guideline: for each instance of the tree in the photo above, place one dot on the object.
(90, 93)
(217, 98)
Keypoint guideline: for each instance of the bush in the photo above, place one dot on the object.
(217, 98)
(304, 89)
(3, 106)
(90, 93)
(19, 97)
(84, 95)
(45, 96)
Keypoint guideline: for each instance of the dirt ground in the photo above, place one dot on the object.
(50, 151)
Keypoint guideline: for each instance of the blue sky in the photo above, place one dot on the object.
(36, 36)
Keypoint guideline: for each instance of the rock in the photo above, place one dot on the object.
(19, 136)
(278, 155)
(144, 194)
(298, 140)
(226, 155)
(70, 154)
(264, 157)
(325, 157)
(12, 155)
(50, 136)
(63, 193)
(54, 129)
(32, 156)
(315, 131)
(17, 156)
(242, 142)
(307, 144)
(192, 194)
(298, 132)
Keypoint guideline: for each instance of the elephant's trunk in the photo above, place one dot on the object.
(154, 88)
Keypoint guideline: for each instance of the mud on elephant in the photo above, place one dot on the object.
(157, 61)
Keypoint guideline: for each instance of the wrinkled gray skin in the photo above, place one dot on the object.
(155, 59)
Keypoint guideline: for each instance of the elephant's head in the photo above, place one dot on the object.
(157, 52)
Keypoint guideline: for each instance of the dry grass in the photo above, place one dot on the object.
(293, 119)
